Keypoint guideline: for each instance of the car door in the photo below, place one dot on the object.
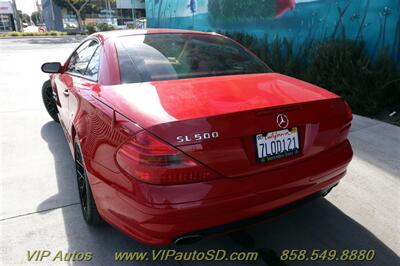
(71, 79)
(84, 85)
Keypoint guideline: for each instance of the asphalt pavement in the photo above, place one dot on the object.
(39, 208)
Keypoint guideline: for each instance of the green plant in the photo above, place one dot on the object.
(343, 67)
(104, 27)
(30, 34)
(91, 28)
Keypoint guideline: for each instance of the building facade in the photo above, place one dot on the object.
(8, 16)
(121, 13)
(130, 10)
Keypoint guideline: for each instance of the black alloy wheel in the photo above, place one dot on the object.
(49, 101)
(88, 205)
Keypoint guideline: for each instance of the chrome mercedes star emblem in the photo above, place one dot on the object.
(282, 121)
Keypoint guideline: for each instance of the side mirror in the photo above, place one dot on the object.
(52, 67)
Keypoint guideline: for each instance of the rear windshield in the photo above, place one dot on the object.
(177, 56)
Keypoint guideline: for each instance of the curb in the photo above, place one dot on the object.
(49, 36)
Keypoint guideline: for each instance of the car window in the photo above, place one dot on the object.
(176, 56)
(93, 66)
(81, 57)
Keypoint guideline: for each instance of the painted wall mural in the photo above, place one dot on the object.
(377, 22)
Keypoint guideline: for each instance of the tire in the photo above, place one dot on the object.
(88, 206)
(48, 100)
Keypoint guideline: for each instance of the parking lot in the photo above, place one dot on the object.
(40, 205)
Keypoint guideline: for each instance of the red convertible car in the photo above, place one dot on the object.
(178, 135)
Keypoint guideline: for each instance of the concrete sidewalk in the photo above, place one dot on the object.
(39, 206)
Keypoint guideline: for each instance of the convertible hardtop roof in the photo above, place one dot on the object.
(121, 33)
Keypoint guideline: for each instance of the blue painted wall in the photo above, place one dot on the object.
(377, 22)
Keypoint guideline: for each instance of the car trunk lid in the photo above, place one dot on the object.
(215, 120)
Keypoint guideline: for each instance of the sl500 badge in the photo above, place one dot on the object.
(198, 137)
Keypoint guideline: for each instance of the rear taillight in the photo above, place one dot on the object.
(344, 131)
(150, 160)
(349, 113)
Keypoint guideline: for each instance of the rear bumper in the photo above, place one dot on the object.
(277, 191)
(259, 218)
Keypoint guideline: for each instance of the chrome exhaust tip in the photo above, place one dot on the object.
(328, 190)
(187, 239)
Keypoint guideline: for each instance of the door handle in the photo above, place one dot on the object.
(66, 92)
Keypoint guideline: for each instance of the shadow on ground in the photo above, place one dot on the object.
(317, 225)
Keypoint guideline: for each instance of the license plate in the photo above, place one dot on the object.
(277, 144)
